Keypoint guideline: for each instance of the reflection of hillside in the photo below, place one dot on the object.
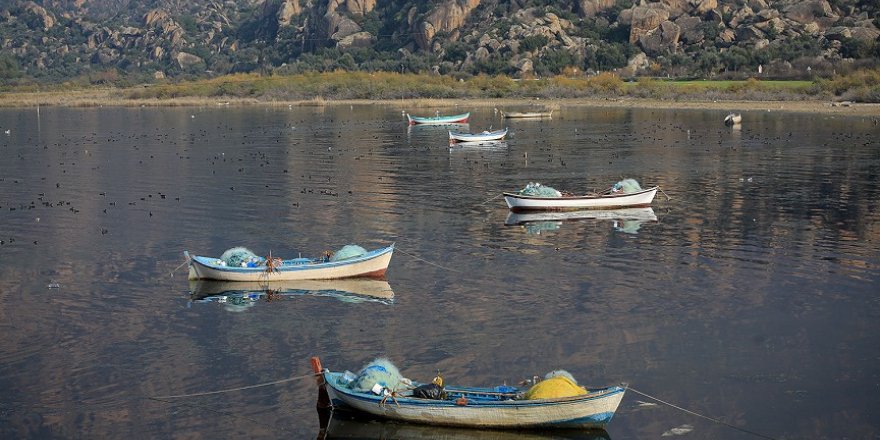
(738, 284)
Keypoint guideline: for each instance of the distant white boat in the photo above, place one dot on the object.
(497, 135)
(527, 115)
(733, 119)
(520, 202)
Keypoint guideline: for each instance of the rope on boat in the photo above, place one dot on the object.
(426, 261)
(185, 262)
(489, 200)
(229, 390)
(664, 193)
(757, 434)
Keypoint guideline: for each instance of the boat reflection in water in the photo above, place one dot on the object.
(479, 146)
(238, 296)
(626, 220)
(345, 425)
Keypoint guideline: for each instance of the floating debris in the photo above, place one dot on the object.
(681, 430)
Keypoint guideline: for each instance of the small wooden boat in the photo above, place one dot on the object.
(479, 407)
(484, 136)
(518, 202)
(527, 115)
(371, 264)
(438, 120)
(733, 119)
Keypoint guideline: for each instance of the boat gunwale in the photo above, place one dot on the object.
(311, 265)
(582, 197)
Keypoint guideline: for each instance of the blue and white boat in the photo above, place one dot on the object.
(371, 264)
(480, 407)
(438, 120)
(484, 136)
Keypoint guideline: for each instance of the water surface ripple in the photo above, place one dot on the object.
(750, 295)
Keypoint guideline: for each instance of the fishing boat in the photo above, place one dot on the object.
(500, 407)
(484, 136)
(372, 264)
(527, 115)
(348, 289)
(733, 119)
(520, 202)
(438, 120)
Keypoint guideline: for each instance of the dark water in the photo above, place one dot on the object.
(752, 298)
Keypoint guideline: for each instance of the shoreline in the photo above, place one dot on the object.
(111, 98)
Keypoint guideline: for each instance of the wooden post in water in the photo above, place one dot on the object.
(323, 405)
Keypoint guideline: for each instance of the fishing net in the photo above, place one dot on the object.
(559, 385)
(348, 251)
(627, 186)
(535, 189)
(380, 371)
(238, 255)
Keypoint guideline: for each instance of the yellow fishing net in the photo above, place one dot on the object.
(557, 386)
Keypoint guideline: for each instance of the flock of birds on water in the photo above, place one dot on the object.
(264, 154)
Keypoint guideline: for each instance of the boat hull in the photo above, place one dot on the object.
(373, 264)
(477, 137)
(518, 203)
(528, 115)
(438, 120)
(593, 410)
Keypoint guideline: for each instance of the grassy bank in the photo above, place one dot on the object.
(319, 88)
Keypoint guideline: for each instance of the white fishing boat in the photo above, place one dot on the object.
(733, 119)
(521, 202)
(484, 136)
(369, 264)
(527, 115)
(438, 120)
(498, 407)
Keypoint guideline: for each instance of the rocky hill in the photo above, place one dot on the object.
(105, 40)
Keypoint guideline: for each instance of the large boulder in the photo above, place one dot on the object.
(865, 33)
(589, 8)
(46, 18)
(359, 39)
(691, 29)
(287, 10)
(360, 7)
(644, 19)
(448, 16)
(187, 60)
(810, 11)
(662, 39)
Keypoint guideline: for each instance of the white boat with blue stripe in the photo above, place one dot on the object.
(438, 120)
(371, 264)
(485, 136)
(499, 407)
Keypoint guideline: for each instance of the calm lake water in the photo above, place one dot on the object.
(751, 296)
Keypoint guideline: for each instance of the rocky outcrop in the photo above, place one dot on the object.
(187, 60)
(287, 10)
(644, 19)
(47, 18)
(446, 17)
(166, 36)
(589, 8)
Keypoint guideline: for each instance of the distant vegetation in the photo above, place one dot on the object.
(861, 86)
